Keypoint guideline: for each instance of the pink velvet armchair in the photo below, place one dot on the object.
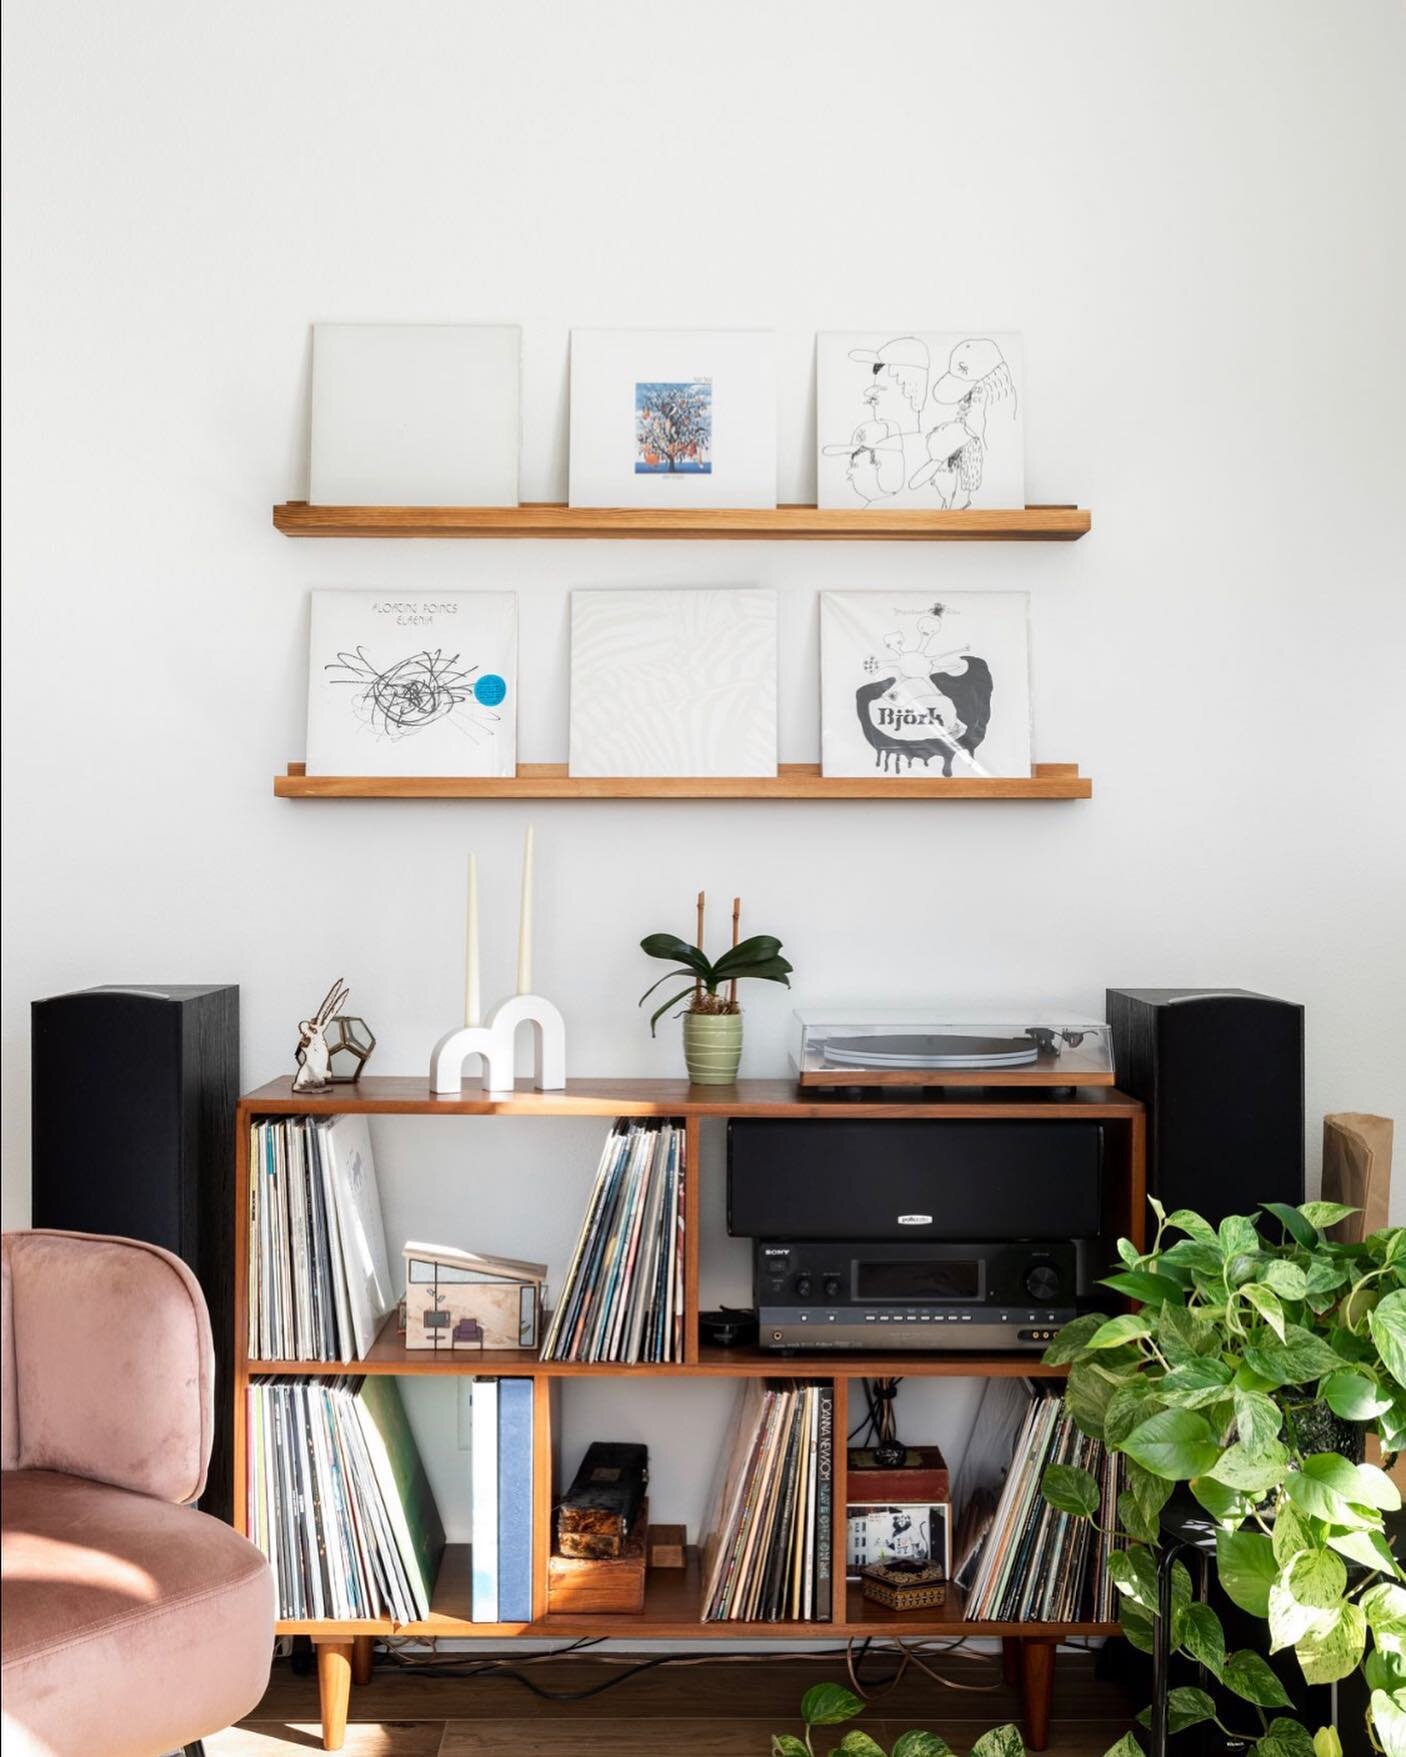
(133, 1625)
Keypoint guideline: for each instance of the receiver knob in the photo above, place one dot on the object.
(830, 1287)
(1042, 1283)
(804, 1286)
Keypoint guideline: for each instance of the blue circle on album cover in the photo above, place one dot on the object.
(490, 690)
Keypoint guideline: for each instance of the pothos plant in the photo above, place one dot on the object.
(1261, 1357)
(826, 1705)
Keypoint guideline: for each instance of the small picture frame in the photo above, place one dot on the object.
(881, 1531)
(673, 418)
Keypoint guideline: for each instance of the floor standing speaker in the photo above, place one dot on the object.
(1221, 1074)
(133, 1133)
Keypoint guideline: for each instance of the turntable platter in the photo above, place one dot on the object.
(929, 1051)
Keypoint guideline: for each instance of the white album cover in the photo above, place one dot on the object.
(415, 414)
(412, 685)
(676, 682)
(673, 418)
(924, 419)
(917, 684)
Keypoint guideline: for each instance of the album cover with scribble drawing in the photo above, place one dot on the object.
(412, 685)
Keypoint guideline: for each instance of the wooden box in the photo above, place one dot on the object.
(668, 1546)
(921, 1477)
(904, 1586)
(607, 1584)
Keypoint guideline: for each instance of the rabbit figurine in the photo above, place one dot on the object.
(314, 1058)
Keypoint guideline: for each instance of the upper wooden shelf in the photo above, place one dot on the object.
(550, 518)
(410, 1095)
(791, 781)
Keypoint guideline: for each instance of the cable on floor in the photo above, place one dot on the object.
(855, 1654)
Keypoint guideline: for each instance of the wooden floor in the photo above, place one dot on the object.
(717, 1710)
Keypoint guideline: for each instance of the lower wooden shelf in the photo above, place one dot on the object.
(791, 781)
(671, 1612)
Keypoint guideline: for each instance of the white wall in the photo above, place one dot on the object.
(1191, 210)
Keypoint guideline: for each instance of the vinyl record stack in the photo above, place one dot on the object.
(623, 1297)
(319, 1282)
(338, 1499)
(1037, 1564)
(767, 1542)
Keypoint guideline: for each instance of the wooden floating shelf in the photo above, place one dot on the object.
(673, 1597)
(791, 781)
(550, 518)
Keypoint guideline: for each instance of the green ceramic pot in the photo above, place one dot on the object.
(712, 1047)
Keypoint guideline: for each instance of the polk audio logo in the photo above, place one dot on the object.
(915, 1220)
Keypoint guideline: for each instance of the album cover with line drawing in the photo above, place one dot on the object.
(422, 684)
(923, 419)
(925, 684)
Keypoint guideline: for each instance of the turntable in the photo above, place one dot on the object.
(887, 1047)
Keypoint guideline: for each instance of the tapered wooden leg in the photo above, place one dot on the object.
(1037, 1689)
(334, 1676)
(1010, 1661)
(363, 1658)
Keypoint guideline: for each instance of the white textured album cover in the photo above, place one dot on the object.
(921, 419)
(676, 682)
(422, 684)
(917, 683)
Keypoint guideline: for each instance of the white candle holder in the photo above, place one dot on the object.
(494, 1044)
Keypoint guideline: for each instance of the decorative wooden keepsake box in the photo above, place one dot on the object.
(904, 1586)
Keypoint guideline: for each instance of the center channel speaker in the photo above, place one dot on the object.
(133, 1134)
(942, 1178)
(1221, 1073)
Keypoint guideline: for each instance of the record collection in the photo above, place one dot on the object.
(338, 1499)
(623, 1296)
(319, 1283)
(1036, 1564)
(767, 1540)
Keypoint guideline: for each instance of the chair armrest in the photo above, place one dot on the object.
(108, 1364)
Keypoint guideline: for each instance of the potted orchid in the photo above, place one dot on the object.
(712, 1017)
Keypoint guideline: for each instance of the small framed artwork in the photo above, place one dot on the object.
(673, 418)
(881, 1532)
(415, 414)
(913, 684)
(414, 685)
(676, 682)
(923, 419)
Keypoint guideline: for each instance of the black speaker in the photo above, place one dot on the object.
(133, 1133)
(948, 1178)
(1221, 1074)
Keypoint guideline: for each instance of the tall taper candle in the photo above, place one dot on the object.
(524, 938)
(473, 1012)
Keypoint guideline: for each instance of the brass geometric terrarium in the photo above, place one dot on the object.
(349, 1042)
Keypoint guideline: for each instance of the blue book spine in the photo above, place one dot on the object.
(484, 1466)
(515, 1500)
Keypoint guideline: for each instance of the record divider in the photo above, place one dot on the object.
(672, 1603)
